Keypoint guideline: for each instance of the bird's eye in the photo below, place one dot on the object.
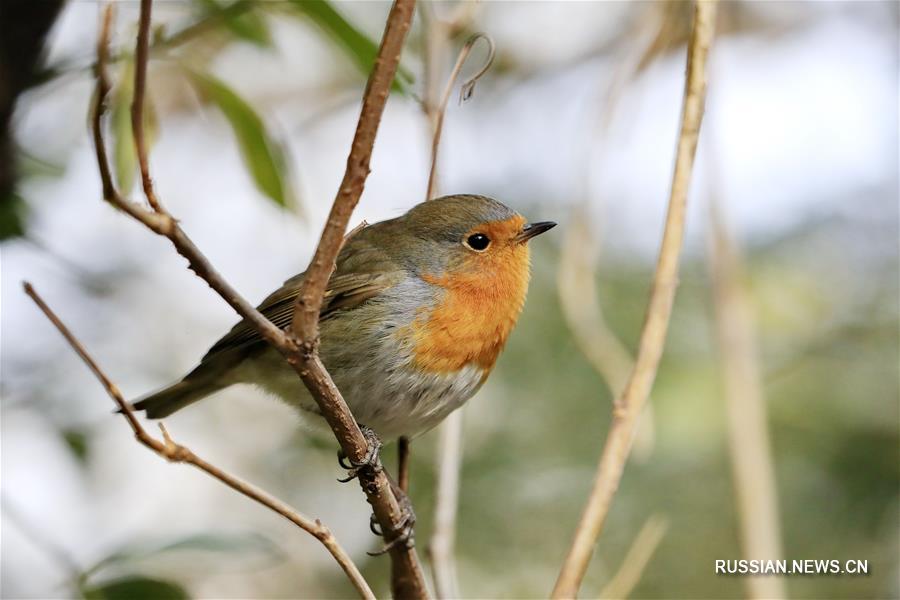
(478, 242)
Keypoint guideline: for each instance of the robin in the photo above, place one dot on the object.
(413, 319)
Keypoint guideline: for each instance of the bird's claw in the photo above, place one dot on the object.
(406, 530)
(405, 535)
(371, 460)
(374, 527)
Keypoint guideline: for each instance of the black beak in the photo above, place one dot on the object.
(533, 229)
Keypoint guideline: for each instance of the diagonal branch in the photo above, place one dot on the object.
(174, 452)
(653, 335)
(300, 346)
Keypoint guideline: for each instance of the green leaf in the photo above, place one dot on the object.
(135, 587)
(32, 166)
(252, 28)
(240, 20)
(358, 46)
(12, 216)
(78, 442)
(240, 543)
(263, 155)
(124, 155)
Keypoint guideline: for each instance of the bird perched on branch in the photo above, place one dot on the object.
(414, 317)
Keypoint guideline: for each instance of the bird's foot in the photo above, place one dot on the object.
(406, 531)
(405, 536)
(371, 461)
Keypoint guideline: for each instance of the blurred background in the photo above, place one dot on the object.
(253, 109)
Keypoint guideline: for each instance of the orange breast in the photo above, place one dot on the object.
(478, 311)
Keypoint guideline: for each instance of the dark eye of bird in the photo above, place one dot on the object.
(478, 242)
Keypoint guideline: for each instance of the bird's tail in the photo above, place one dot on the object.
(175, 397)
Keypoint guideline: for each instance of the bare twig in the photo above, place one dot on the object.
(628, 406)
(639, 554)
(137, 103)
(407, 579)
(175, 452)
(748, 434)
(441, 547)
(305, 324)
(299, 345)
(468, 87)
(403, 463)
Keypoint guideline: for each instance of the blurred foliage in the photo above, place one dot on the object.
(240, 20)
(246, 544)
(135, 588)
(12, 216)
(14, 208)
(78, 442)
(245, 20)
(262, 153)
(359, 47)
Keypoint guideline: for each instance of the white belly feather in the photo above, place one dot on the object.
(393, 400)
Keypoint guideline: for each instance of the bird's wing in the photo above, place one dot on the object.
(355, 282)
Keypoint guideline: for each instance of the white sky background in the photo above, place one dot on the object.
(802, 122)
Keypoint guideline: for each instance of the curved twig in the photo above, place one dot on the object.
(653, 335)
(465, 92)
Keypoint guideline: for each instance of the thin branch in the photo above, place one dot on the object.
(468, 87)
(441, 547)
(299, 345)
(662, 296)
(174, 452)
(305, 324)
(639, 554)
(407, 578)
(141, 51)
(748, 433)
(403, 463)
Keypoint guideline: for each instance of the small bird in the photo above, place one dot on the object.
(414, 317)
